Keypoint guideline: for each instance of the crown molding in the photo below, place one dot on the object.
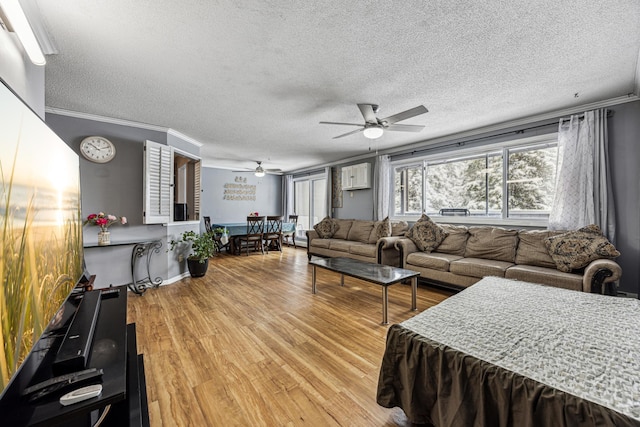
(122, 122)
(103, 119)
(184, 137)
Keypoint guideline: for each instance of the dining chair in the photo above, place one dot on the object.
(216, 238)
(273, 233)
(255, 233)
(291, 233)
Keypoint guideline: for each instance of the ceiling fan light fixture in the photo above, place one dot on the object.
(259, 172)
(373, 132)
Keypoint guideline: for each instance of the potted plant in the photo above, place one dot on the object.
(202, 247)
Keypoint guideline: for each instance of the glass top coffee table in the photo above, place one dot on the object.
(383, 275)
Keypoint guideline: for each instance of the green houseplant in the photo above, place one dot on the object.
(201, 248)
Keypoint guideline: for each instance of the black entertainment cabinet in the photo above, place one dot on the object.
(114, 350)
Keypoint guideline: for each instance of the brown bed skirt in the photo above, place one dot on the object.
(439, 386)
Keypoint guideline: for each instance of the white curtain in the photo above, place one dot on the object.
(583, 193)
(287, 196)
(327, 172)
(381, 187)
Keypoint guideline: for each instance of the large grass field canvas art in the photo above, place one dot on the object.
(40, 229)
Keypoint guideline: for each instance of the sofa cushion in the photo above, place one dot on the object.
(576, 249)
(479, 267)
(326, 228)
(320, 243)
(492, 243)
(398, 228)
(545, 276)
(363, 249)
(532, 249)
(339, 245)
(360, 231)
(433, 260)
(455, 241)
(426, 234)
(344, 225)
(380, 229)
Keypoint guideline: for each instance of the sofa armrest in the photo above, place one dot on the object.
(405, 247)
(599, 273)
(386, 251)
(388, 242)
(311, 234)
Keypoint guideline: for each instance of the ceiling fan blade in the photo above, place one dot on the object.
(348, 133)
(405, 128)
(416, 111)
(367, 113)
(339, 123)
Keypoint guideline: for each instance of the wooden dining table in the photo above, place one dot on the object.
(235, 230)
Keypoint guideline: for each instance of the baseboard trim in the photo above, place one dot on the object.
(175, 279)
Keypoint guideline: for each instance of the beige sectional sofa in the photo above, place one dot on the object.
(358, 239)
(468, 254)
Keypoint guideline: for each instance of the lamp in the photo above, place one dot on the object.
(259, 172)
(15, 20)
(373, 131)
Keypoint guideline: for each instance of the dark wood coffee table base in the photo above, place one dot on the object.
(383, 275)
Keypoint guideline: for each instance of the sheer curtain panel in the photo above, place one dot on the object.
(287, 196)
(583, 185)
(381, 187)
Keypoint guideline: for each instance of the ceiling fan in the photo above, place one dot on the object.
(374, 127)
(260, 171)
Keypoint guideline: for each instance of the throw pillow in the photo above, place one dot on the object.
(382, 228)
(426, 234)
(326, 228)
(398, 228)
(576, 249)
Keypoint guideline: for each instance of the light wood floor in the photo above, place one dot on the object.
(249, 345)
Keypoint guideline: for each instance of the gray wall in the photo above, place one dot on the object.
(624, 150)
(117, 188)
(356, 204)
(268, 195)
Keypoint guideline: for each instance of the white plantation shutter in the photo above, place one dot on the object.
(158, 185)
(196, 190)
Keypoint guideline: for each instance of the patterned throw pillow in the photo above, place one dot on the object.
(426, 234)
(576, 249)
(382, 228)
(398, 228)
(326, 228)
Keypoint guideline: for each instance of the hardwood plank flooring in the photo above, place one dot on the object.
(250, 345)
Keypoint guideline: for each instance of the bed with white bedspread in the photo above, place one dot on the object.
(510, 353)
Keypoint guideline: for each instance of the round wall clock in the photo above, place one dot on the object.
(97, 149)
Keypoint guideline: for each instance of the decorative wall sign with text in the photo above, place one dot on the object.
(239, 190)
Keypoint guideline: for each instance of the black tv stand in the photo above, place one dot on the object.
(114, 352)
(43, 388)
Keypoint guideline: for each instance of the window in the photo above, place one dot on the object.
(514, 180)
(171, 185)
(309, 201)
(408, 190)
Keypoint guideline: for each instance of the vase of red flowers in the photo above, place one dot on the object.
(103, 221)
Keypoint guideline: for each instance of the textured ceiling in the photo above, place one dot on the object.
(251, 79)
